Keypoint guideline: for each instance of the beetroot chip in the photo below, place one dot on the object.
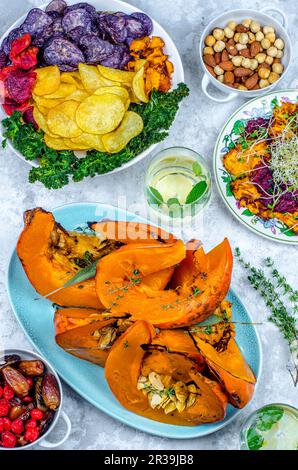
(56, 6)
(3, 59)
(60, 52)
(20, 85)
(29, 118)
(14, 34)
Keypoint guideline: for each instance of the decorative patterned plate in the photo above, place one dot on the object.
(272, 229)
(36, 319)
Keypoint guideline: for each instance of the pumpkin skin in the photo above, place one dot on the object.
(123, 368)
(131, 232)
(228, 365)
(48, 266)
(174, 308)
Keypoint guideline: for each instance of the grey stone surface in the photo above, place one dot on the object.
(197, 126)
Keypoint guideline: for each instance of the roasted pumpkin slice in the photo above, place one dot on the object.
(226, 361)
(124, 270)
(87, 333)
(51, 256)
(187, 401)
(184, 272)
(131, 232)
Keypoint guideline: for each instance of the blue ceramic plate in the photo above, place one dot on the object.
(36, 319)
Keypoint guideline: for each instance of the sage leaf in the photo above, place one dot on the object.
(196, 192)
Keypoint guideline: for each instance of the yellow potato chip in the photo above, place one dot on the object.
(41, 108)
(116, 75)
(138, 86)
(48, 80)
(100, 114)
(133, 97)
(41, 121)
(74, 146)
(78, 95)
(115, 90)
(62, 119)
(91, 78)
(90, 141)
(41, 101)
(73, 78)
(131, 126)
(63, 91)
(56, 143)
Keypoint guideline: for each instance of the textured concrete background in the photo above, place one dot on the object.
(197, 126)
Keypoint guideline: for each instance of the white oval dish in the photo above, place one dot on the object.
(238, 16)
(158, 30)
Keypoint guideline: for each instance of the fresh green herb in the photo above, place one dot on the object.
(272, 289)
(269, 416)
(125, 344)
(155, 196)
(196, 168)
(254, 439)
(173, 201)
(196, 192)
(87, 260)
(56, 168)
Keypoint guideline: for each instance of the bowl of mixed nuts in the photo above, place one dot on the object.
(244, 52)
(30, 401)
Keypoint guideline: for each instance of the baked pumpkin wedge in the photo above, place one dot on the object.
(120, 288)
(226, 361)
(51, 256)
(184, 397)
(87, 333)
(131, 232)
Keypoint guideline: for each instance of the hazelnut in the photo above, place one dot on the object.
(261, 57)
(210, 40)
(236, 37)
(232, 25)
(229, 33)
(218, 70)
(242, 87)
(237, 60)
(251, 37)
(218, 34)
(219, 46)
(271, 37)
(265, 43)
(277, 68)
(245, 63)
(263, 83)
(240, 47)
(268, 29)
(208, 50)
(279, 54)
(279, 44)
(264, 72)
(254, 64)
(272, 51)
(255, 26)
(259, 36)
(220, 78)
(243, 38)
(269, 60)
(247, 22)
(273, 77)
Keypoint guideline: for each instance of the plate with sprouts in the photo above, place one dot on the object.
(256, 165)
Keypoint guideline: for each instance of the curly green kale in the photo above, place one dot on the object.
(57, 167)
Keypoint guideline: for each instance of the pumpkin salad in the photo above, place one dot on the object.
(130, 297)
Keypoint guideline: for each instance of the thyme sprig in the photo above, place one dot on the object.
(272, 289)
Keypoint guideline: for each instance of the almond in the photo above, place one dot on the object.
(240, 28)
(256, 87)
(252, 81)
(210, 70)
(224, 56)
(232, 50)
(276, 61)
(209, 60)
(227, 66)
(231, 42)
(242, 72)
(245, 53)
(217, 57)
(255, 48)
(263, 66)
(229, 77)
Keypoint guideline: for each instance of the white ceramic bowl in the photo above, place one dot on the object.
(238, 16)
(158, 30)
(42, 440)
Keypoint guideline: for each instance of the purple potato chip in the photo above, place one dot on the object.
(67, 68)
(129, 40)
(145, 20)
(76, 34)
(3, 59)
(85, 6)
(54, 15)
(125, 59)
(135, 28)
(62, 52)
(76, 18)
(54, 30)
(115, 26)
(95, 49)
(57, 6)
(117, 59)
(14, 34)
(36, 21)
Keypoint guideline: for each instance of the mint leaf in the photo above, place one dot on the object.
(173, 201)
(196, 168)
(268, 417)
(156, 196)
(254, 439)
(197, 191)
